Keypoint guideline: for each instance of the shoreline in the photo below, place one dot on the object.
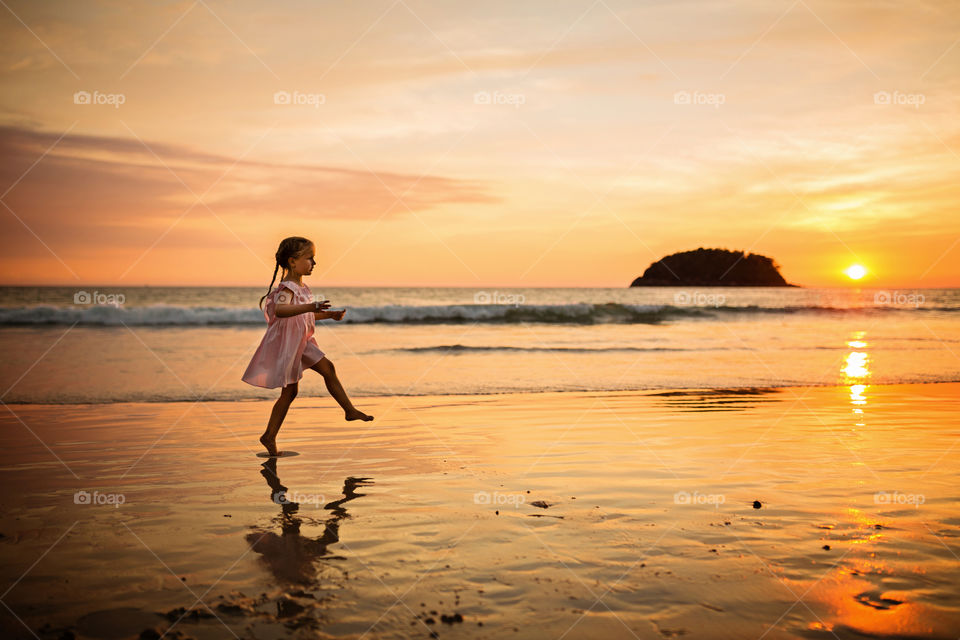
(497, 394)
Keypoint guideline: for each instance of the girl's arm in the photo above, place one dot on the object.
(287, 310)
(284, 309)
(336, 315)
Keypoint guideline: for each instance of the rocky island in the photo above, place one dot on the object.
(712, 268)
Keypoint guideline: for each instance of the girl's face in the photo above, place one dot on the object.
(303, 264)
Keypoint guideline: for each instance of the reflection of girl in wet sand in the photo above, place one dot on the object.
(289, 556)
(288, 347)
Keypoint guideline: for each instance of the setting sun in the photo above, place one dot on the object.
(856, 271)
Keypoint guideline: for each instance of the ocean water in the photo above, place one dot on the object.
(182, 344)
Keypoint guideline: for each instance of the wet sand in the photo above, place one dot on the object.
(788, 513)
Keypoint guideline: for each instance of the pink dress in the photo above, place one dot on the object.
(288, 347)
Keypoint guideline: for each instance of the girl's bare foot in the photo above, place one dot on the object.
(356, 414)
(270, 444)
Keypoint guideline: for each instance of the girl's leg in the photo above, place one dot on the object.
(269, 437)
(325, 368)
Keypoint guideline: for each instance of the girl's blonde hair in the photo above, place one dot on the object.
(290, 247)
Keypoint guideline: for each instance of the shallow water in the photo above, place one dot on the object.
(165, 344)
(649, 528)
(162, 364)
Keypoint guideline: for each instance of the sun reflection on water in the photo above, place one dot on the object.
(855, 372)
(854, 596)
(857, 365)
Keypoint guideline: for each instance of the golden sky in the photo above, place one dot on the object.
(535, 143)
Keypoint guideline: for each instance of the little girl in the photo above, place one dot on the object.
(288, 347)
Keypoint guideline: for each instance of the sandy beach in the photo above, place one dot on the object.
(553, 515)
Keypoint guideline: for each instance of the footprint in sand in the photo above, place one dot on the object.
(875, 600)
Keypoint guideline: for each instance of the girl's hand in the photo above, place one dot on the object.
(337, 315)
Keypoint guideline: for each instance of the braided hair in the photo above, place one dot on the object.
(289, 248)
